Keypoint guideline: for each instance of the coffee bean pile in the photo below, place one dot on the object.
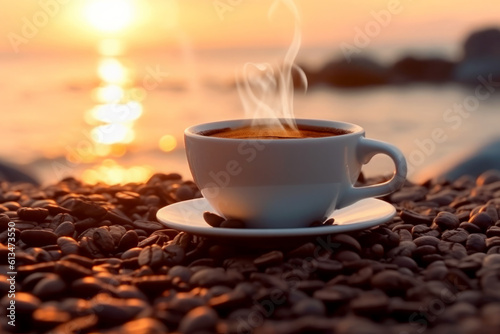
(94, 259)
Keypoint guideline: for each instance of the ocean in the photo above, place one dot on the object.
(57, 120)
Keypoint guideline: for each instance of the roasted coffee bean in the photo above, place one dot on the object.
(148, 226)
(55, 209)
(114, 311)
(405, 248)
(117, 232)
(305, 250)
(335, 295)
(346, 256)
(142, 326)
(33, 214)
(117, 217)
(369, 281)
(148, 241)
(491, 210)
(88, 247)
(68, 245)
(329, 222)
(51, 286)
(85, 224)
(212, 276)
(482, 220)
(492, 242)
(184, 193)
(65, 229)
(71, 270)
(40, 255)
(103, 240)
(426, 240)
(424, 250)
(25, 303)
(346, 242)
(392, 282)
(128, 198)
(88, 287)
(459, 235)
(488, 177)
(471, 228)
(273, 258)
(45, 267)
(11, 205)
(131, 253)
(414, 218)
(370, 303)
(81, 208)
(48, 316)
(129, 240)
(405, 262)
(200, 319)
(309, 307)
(174, 254)
(404, 235)
(212, 219)
(446, 221)
(78, 259)
(152, 284)
(475, 243)
(182, 272)
(4, 222)
(37, 238)
(152, 256)
(493, 231)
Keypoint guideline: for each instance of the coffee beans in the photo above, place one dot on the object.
(446, 220)
(217, 221)
(94, 259)
(38, 237)
(34, 214)
(212, 219)
(482, 220)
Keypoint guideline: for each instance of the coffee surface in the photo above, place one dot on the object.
(275, 132)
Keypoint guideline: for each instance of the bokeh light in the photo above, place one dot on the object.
(110, 15)
(110, 172)
(112, 71)
(167, 143)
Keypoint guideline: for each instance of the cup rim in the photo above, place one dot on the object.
(195, 130)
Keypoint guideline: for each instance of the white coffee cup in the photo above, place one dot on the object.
(285, 183)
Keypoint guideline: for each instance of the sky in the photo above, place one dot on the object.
(74, 25)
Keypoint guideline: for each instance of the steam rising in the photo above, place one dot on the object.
(268, 93)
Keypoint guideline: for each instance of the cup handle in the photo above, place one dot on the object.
(366, 149)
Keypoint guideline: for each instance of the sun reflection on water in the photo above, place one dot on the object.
(113, 71)
(112, 120)
(118, 99)
(110, 172)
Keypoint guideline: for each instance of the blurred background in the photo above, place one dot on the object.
(103, 89)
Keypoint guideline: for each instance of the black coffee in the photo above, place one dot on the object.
(275, 132)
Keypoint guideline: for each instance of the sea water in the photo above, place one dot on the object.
(45, 100)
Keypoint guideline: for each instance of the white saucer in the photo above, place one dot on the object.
(187, 216)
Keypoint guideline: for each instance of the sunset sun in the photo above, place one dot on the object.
(110, 15)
